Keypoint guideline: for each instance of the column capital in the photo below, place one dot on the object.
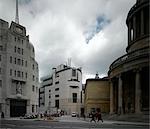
(137, 70)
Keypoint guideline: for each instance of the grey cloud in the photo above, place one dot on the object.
(56, 28)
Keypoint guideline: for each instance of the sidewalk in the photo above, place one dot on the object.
(118, 122)
(87, 120)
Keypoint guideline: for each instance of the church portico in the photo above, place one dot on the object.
(126, 92)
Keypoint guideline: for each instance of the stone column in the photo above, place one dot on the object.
(137, 92)
(134, 28)
(120, 110)
(142, 22)
(129, 32)
(111, 98)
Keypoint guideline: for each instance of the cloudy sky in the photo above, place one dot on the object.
(92, 33)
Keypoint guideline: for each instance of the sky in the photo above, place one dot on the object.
(92, 33)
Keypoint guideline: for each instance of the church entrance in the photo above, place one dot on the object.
(17, 107)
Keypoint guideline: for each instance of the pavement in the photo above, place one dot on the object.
(82, 120)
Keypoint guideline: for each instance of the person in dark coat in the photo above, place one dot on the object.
(99, 117)
(93, 117)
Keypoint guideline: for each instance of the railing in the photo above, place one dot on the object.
(129, 56)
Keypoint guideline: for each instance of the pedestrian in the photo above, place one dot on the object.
(93, 117)
(2, 115)
(99, 117)
(84, 116)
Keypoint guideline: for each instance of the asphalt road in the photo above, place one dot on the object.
(65, 124)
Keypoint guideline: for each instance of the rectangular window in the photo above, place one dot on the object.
(0, 57)
(22, 62)
(0, 70)
(15, 60)
(1, 48)
(56, 89)
(33, 66)
(26, 75)
(10, 72)
(36, 89)
(18, 61)
(26, 64)
(33, 78)
(18, 74)
(57, 103)
(22, 51)
(73, 72)
(74, 97)
(33, 88)
(10, 59)
(15, 49)
(18, 50)
(22, 75)
(56, 95)
(0, 83)
(15, 73)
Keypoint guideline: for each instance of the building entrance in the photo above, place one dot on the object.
(17, 107)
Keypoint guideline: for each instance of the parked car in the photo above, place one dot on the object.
(73, 114)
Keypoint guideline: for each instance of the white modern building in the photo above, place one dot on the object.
(19, 73)
(61, 91)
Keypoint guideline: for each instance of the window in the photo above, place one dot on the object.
(22, 62)
(33, 78)
(73, 72)
(26, 64)
(57, 103)
(15, 60)
(15, 49)
(56, 89)
(15, 39)
(18, 74)
(22, 51)
(33, 66)
(10, 72)
(74, 96)
(0, 83)
(36, 89)
(33, 88)
(15, 73)
(22, 75)
(18, 50)
(26, 75)
(56, 95)
(57, 82)
(18, 61)
(131, 34)
(10, 59)
(1, 48)
(0, 70)
(49, 90)
(0, 107)
(0, 57)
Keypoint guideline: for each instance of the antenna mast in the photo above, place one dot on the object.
(17, 13)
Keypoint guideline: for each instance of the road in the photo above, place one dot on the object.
(66, 122)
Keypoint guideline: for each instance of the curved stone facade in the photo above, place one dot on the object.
(19, 76)
(129, 74)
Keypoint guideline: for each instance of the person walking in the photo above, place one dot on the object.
(99, 117)
(93, 117)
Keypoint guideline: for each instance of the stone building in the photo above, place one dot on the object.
(97, 95)
(19, 73)
(61, 91)
(129, 74)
